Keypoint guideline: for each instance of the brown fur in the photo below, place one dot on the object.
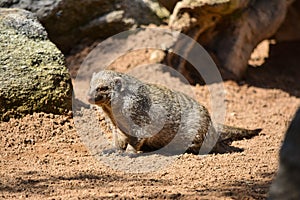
(155, 118)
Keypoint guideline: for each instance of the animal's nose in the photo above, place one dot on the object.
(91, 97)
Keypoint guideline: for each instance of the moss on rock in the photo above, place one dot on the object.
(32, 72)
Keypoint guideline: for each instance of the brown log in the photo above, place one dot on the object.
(228, 29)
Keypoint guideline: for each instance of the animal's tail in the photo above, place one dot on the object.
(234, 133)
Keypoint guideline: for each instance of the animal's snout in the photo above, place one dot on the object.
(91, 97)
(95, 97)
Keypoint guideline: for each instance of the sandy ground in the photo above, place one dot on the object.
(43, 157)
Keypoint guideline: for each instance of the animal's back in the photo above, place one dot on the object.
(182, 120)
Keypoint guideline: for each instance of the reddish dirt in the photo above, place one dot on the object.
(42, 156)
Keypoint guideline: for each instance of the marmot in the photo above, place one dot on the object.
(151, 117)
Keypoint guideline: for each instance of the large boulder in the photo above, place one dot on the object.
(68, 22)
(33, 76)
(287, 182)
(228, 29)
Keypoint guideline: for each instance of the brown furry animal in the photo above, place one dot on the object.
(155, 118)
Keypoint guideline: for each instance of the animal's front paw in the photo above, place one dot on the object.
(130, 149)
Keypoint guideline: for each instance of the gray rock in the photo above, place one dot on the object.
(287, 182)
(33, 76)
(68, 22)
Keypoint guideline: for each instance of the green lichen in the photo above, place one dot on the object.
(32, 72)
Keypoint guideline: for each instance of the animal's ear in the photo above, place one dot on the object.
(118, 82)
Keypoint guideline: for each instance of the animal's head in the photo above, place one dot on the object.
(103, 86)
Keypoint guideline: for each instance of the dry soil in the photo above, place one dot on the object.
(43, 157)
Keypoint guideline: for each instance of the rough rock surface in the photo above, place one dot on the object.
(69, 21)
(228, 29)
(287, 183)
(32, 72)
(290, 28)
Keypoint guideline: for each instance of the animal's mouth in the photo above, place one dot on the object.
(99, 99)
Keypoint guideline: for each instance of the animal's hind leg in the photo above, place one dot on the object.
(223, 147)
(193, 149)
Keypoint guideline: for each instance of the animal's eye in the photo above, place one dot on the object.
(101, 89)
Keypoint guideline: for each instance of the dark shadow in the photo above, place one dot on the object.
(82, 181)
(41, 185)
(280, 71)
(222, 148)
(240, 189)
(243, 189)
